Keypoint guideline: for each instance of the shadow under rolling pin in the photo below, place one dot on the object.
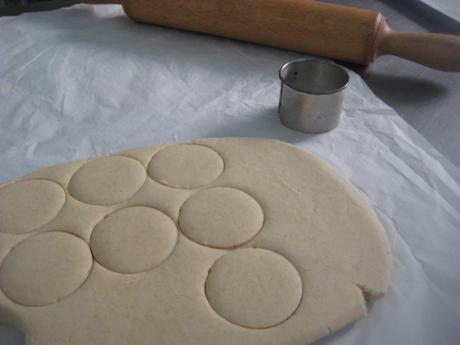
(335, 31)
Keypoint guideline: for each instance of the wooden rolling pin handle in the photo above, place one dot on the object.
(437, 51)
(102, 2)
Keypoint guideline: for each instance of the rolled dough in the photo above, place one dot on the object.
(215, 241)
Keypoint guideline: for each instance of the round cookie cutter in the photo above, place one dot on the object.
(312, 93)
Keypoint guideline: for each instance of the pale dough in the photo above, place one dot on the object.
(45, 268)
(221, 217)
(252, 279)
(133, 239)
(186, 166)
(107, 180)
(215, 241)
(41, 200)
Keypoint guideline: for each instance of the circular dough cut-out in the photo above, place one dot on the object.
(133, 240)
(28, 205)
(45, 268)
(221, 217)
(254, 288)
(107, 180)
(186, 166)
(311, 221)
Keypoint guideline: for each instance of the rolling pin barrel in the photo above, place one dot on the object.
(312, 27)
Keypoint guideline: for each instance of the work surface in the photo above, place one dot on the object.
(428, 100)
(87, 80)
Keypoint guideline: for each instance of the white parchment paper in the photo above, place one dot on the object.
(450, 8)
(86, 81)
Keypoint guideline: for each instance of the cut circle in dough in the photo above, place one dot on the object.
(186, 166)
(310, 220)
(107, 180)
(254, 288)
(45, 268)
(221, 217)
(27, 205)
(133, 240)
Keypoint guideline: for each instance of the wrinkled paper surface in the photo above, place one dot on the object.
(450, 8)
(87, 81)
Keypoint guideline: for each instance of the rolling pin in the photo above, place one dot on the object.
(335, 31)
